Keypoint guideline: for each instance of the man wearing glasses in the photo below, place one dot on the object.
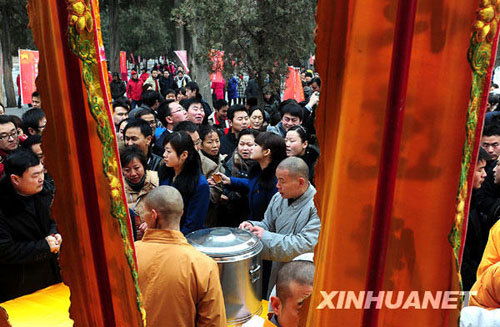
(170, 112)
(9, 140)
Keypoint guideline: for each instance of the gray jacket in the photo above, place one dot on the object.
(289, 230)
(278, 129)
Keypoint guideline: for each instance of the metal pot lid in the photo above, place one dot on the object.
(225, 242)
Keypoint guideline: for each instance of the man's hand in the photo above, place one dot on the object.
(53, 244)
(257, 231)
(313, 100)
(58, 238)
(246, 225)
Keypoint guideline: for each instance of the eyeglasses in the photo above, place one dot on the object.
(12, 135)
(174, 112)
(198, 142)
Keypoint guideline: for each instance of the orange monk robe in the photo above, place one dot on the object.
(180, 285)
(487, 285)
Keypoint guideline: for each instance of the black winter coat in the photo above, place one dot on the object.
(118, 89)
(26, 263)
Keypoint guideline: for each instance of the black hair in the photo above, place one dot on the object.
(129, 153)
(186, 103)
(154, 68)
(20, 161)
(35, 94)
(316, 80)
(145, 111)
(31, 118)
(143, 125)
(170, 91)
(126, 120)
(16, 121)
(248, 131)
(5, 119)
(491, 129)
(302, 131)
(275, 143)
(164, 111)
(32, 140)
(121, 103)
(180, 90)
(187, 180)
(205, 130)
(255, 108)
(252, 101)
(309, 74)
(186, 126)
(193, 86)
(293, 109)
(234, 109)
(483, 155)
(219, 104)
(150, 97)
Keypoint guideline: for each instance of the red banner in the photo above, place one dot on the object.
(218, 65)
(293, 86)
(28, 63)
(182, 55)
(123, 65)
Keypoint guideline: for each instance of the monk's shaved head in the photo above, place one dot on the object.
(295, 166)
(167, 201)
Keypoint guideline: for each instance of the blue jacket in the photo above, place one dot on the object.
(258, 198)
(195, 207)
(232, 88)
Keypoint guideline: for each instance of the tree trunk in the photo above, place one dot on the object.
(114, 35)
(1, 77)
(199, 71)
(7, 60)
(179, 32)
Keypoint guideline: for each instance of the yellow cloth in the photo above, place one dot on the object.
(487, 285)
(179, 284)
(491, 254)
(48, 307)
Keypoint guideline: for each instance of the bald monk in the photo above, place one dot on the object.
(291, 224)
(180, 285)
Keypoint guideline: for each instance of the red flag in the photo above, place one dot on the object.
(123, 65)
(29, 71)
(293, 86)
(218, 65)
(182, 54)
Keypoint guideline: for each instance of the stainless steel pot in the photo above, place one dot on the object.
(238, 254)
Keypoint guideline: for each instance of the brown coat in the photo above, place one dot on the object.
(180, 286)
(134, 198)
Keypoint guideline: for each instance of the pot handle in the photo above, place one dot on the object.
(255, 272)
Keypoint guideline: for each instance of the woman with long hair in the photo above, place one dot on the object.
(298, 144)
(138, 182)
(183, 171)
(269, 150)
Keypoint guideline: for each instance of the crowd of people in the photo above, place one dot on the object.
(481, 257)
(246, 163)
